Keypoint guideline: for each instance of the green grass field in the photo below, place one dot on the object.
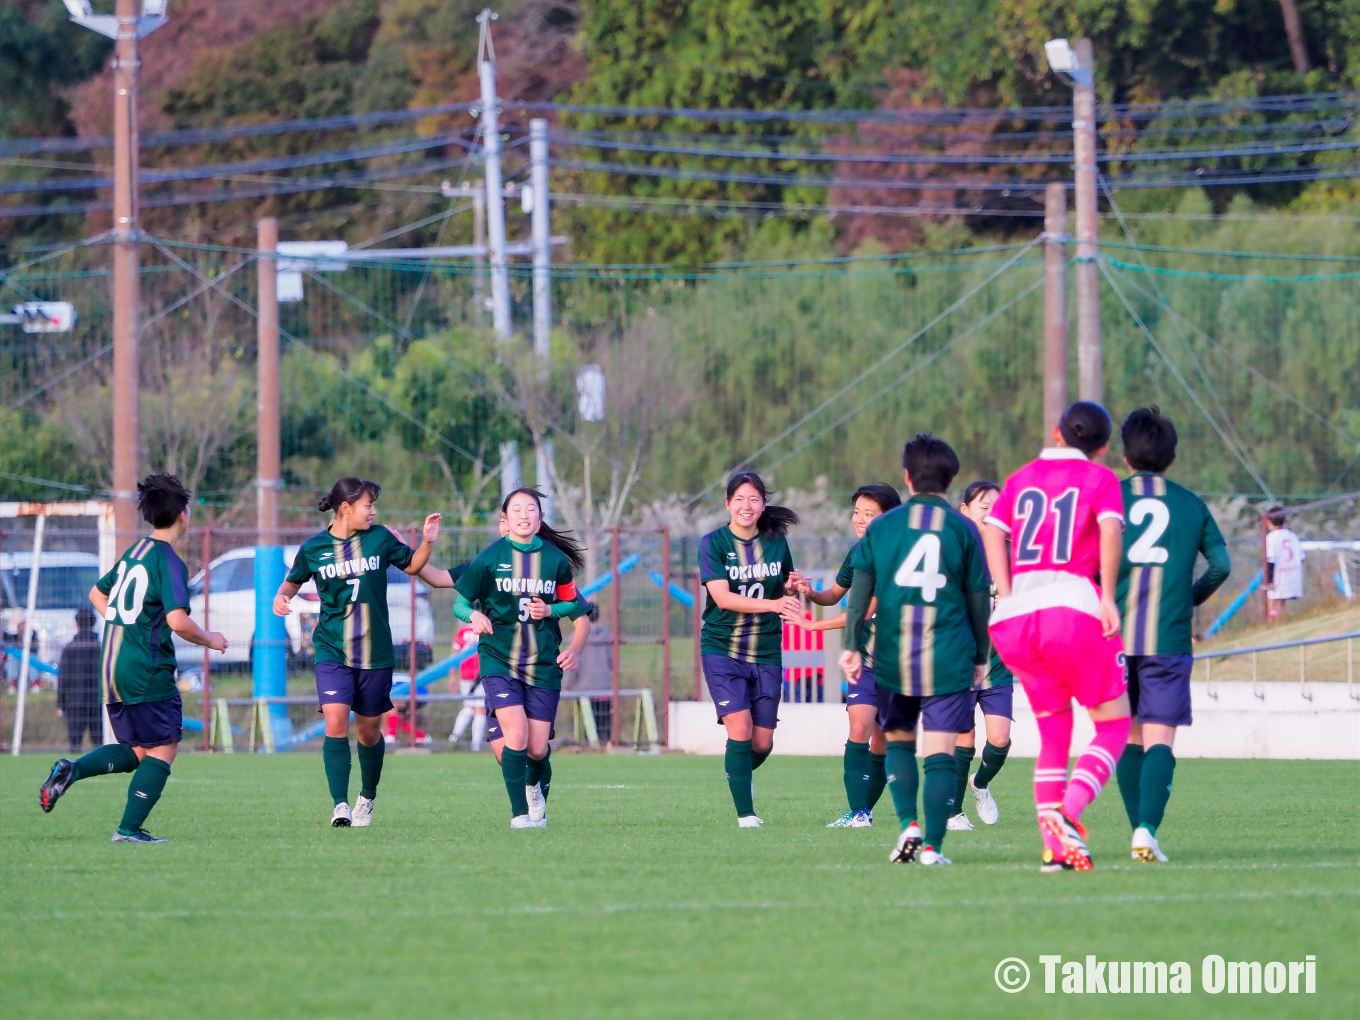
(644, 899)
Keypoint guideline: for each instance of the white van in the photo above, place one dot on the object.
(231, 610)
(64, 583)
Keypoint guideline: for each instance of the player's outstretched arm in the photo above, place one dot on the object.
(435, 577)
(825, 597)
(181, 623)
(284, 598)
(788, 607)
(428, 537)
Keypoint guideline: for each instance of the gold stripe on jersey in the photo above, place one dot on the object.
(916, 649)
(109, 665)
(742, 644)
(1149, 485)
(143, 547)
(924, 517)
(1143, 610)
(524, 645)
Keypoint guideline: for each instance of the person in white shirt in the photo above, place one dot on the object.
(1284, 563)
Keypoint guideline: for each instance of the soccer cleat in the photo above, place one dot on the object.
(749, 822)
(959, 823)
(907, 844)
(58, 782)
(340, 817)
(522, 822)
(1051, 864)
(853, 820)
(987, 810)
(363, 812)
(929, 855)
(138, 836)
(538, 804)
(1145, 847)
(1071, 835)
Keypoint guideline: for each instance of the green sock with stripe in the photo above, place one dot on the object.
(105, 760)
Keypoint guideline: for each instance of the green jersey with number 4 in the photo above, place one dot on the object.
(506, 577)
(137, 653)
(756, 568)
(924, 558)
(351, 582)
(1168, 526)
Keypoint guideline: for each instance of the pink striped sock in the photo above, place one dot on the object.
(1095, 766)
(1050, 770)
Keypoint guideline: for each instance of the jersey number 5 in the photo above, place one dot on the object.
(921, 568)
(1031, 506)
(1146, 549)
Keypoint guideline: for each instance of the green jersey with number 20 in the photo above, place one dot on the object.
(137, 653)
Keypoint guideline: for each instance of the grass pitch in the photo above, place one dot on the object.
(644, 899)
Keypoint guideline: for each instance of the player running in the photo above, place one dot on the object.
(524, 583)
(865, 768)
(353, 637)
(1169, 527)
(1056, 624)
(994, 695)
(742, 638)
(925, 565)
(143, 599)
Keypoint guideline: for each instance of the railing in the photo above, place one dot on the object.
(1302, 646)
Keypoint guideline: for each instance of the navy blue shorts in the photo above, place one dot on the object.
(994, 701)
(493, 729)
(503, 691)
(948, 713)
(1159, 688)
(897, 711)
(367, 691)
(863, 691)
(737, 685)
(150, 724)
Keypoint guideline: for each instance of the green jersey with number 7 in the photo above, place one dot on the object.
(137, 654)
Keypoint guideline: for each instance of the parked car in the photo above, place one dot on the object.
(231, 610)
(64, 583)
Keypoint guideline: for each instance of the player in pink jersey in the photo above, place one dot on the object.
(1056, 624)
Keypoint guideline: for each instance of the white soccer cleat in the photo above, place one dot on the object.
(959, 823)
(748, 822)
(907, 844)
(929, 856)
(522, 822)
(988, 812)
(862, 820)
(1145, 847)
(340, 817)
(538, 804)
(363, 812)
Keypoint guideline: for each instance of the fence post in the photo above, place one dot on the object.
(665, 634)
(411, 707)
(698, 641)
(615, 582)
(207, 662)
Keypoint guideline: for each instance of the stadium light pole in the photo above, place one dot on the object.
(131, 21)
(1055, 306)
(495, 195)
(1075, 63)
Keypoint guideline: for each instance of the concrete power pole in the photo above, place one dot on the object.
(545, 471)
(1055, 307)
(495, 196)
(1090, 369)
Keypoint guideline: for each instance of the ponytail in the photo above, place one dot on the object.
(561, 540)
(773, 520)
(348, 490)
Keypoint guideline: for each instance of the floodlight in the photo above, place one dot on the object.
(1061, 57)
(79, 8)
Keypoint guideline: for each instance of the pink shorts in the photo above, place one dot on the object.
(1059, 653)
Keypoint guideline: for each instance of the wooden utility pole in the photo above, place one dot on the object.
(268, 473)
(1055, 306)
(1090, 371)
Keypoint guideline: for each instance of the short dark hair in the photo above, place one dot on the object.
(1276, 516)
(161, 499)
(85, 618)
(885, 496)
(1149, 439)
(1086, 426)
(930, 463)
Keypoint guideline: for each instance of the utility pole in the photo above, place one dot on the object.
(268, 473)
(541, 231)
(479, 241)
(1090, 370)
(1055, 306)
(495, 196)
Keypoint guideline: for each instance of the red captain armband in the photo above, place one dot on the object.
(567, 592)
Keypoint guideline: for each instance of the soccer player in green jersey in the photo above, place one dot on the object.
(524, 584)
(864, 765)
(353, 636)
(1169, 528)
(143, 599)
(742, 638)
(925, 564)
(994, 695)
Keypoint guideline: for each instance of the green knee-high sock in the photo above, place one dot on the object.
(370, 767)
(857, 775)
(335, 757)
(938, 797)
(1129, 772)
(737, 764)
(104, 760)
(540, 772)
(1159, 766)
(903, 779)
(963, 761)
(878, 778)
(993, 758)
(143, 792)
(758, 758)
(515, 772)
